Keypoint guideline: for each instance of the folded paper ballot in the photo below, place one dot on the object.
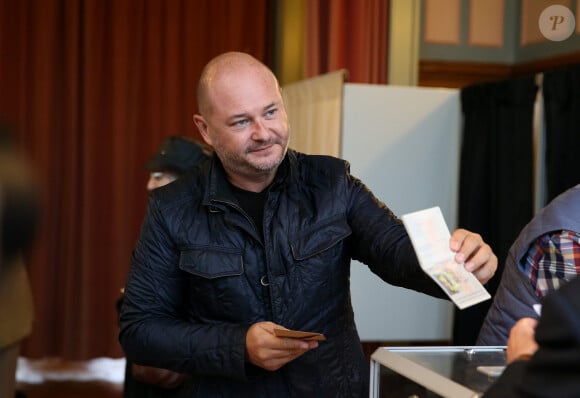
(491, 371)
(298, 334)
(430, 237)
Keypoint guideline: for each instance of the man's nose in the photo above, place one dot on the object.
(260, 131)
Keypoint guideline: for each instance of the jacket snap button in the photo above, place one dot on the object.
(264, 280)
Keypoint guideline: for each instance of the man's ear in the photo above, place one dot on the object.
(203, 128)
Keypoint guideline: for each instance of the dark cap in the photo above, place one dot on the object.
(177, 154)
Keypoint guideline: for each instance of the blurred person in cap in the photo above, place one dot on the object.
(174, 157)
(19, 216)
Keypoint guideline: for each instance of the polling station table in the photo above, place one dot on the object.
(448, 371)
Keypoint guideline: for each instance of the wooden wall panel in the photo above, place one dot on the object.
(486, 23)
(454, 74)
(442, 22)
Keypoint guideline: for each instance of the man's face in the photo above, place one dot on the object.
(247, 126)
(159, 178)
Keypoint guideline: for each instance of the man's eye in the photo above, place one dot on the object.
(271, 113)
(241, 123)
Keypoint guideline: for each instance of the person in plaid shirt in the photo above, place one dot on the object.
(545, 256)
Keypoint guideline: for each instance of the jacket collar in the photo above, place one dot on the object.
(219, 190)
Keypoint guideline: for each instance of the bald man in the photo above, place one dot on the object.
(258, 243)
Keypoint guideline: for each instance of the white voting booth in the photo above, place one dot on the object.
(404, 143)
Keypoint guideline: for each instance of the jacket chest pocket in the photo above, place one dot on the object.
(319, 239)
(217, 285)
(321, 262)
(212, 263)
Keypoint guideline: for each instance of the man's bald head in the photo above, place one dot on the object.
(227, 66)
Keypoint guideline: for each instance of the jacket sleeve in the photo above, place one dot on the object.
(380, 240)
(506, 385)
(155, 329)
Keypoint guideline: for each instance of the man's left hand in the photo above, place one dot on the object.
(474, 253)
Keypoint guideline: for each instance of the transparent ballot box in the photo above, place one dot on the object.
(462, 372)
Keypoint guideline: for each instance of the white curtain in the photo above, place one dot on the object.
(315, 111)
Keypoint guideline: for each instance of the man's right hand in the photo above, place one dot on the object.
(521, 342)
(266, 350)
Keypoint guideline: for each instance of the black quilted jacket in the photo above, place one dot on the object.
(201, 275)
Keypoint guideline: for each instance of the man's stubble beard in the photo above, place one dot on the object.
(243, 165)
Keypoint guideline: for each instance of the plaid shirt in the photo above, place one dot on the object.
(552, 259)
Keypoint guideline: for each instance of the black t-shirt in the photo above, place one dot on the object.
(253, 204)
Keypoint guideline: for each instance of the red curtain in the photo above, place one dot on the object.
(346, 34)
(92, 87)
